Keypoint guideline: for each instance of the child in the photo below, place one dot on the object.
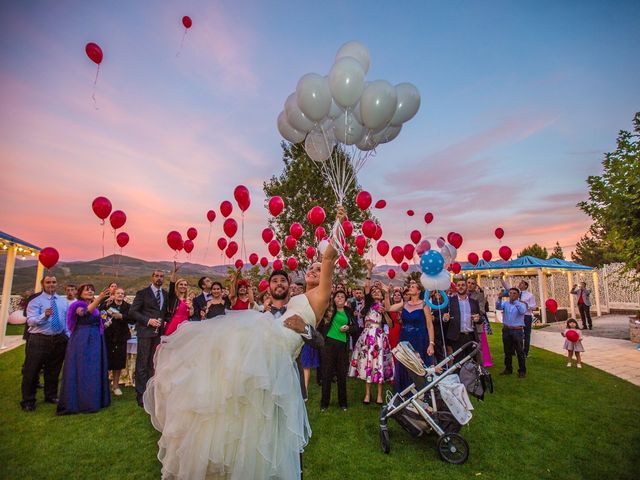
(572, 325)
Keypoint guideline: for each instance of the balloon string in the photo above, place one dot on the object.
(182, 42)
(95, 82)
(114, 253)
(206, 251)
(243, 250)
(119, 262)
(102, 238)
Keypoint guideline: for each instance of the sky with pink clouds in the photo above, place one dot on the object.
(519, 102)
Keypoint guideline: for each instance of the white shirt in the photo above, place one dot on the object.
(465, 315)
(529, 299)
(155, 291)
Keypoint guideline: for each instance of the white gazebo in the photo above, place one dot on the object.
(14, 247)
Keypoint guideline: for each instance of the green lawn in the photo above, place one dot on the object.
(556, 423)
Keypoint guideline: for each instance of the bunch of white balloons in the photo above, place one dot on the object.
(343, 108)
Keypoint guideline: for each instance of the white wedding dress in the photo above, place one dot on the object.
(226, 397)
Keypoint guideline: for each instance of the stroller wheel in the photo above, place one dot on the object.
(385, 444)
(453, 448)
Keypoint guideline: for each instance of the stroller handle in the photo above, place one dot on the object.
(474, 346)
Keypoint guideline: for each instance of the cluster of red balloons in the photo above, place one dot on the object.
(102, 208)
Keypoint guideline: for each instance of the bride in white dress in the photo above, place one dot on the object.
(226, 392)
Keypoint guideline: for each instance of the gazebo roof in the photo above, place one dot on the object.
(523, 264)
(24, 248)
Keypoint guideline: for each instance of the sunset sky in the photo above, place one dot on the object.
(519, 102)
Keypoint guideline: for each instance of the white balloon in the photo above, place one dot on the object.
(313, 96)
(296, 118)
(347, 129)
(322, 246)
(356, 50)
(346, 81)
(388, 134)
(449, 253)
(327, 126)
(367, 143)
(408, 103)
(335, 111)
(378, 104)
(287, 131)
(318, 146)
(441, 281)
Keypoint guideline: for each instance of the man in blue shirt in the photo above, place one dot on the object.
(513, 331)
(48, 334)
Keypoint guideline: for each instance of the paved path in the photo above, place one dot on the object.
(11, 342)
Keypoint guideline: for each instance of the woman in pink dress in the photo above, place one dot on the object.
(179, 304)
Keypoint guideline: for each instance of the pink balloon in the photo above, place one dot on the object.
(423, 246)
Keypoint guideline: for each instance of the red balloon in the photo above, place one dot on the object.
(226, 208)
(253, 258)
(292, 263)
(117, 219)
(378, 235)
(311, 253)
(572, 335)
(316, 215)
(423, 246)
(551, 305)
(456, 267)
(122, 239)
(397, 253)
(48, 257)
(455, 240)
(174, 240)
(428, 217)
(409, 250)
(290, 242)
(263, 285)
(188, 246)
(267, 235)
(361, 242)
(320, 233)
(211, 215)
(342, 261)
(239, 264)
(192, 233)
(274, 248)
(505, 253)
(404, 266)
(360, 251)
(186, 21)
(222, 243)
(369, 228)
(383, 247)
(241, 194)
(94, 52)
(486, 255)
(264, 263)
(232, 249)
(101, 207)
(277, 264)
(276, 205)
(347, 226)
(499, 233)
(411, 213)
(381, 204)
(296, 230)
(230, 227)
(415, 236)
(391, 273)
(363, 200)
(473, 258)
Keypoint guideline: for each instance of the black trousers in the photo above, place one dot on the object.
(43, 352)
(513, 342)
(144, 363)
(528, 321)
(585, 316)
(334, 359)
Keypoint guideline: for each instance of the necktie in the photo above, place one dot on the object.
(56, 326)
(278, 312)
(159, 298)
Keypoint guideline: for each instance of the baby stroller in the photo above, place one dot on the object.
(422, 407)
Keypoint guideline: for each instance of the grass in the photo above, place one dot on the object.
(556, 423)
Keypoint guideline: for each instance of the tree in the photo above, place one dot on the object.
(534, 250)
(557, 252)
(302, 186)
(614, 199)
(593, 251)
(412, 276)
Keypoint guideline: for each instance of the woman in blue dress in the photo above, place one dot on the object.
(85, 381)
(417, 329)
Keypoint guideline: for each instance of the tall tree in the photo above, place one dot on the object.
(534, 250)
(302, 186)
(557, 252)
(614, 198)
(593, 251)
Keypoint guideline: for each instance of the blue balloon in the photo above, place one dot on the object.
(433, 306)
(431, 263)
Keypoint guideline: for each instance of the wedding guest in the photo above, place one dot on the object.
(584, 304)
(85, 381)
(240, 295)
(463, 314)
(70, 291)
(440, 326)
(529, 300)
(482, 327)
(46, 345)
(513, 332)
(394, 331)
(116, 335)
(200, 301)
(217, 305)
(179, 306)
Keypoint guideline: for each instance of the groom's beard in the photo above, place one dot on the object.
(279, 294)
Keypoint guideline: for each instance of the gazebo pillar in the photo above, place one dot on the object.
(542, 290)
(596, 286)
(573, 306)
(6, 291)
(39, 272)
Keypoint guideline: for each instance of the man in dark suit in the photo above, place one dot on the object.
(463, 314)
(200, 302)
(147, 310)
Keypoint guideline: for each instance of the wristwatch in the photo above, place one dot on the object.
(307, 332)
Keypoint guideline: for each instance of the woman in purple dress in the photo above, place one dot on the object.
(85, 382)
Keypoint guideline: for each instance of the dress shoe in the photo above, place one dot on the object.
(505, 372)
(53, 400)
(28, 407)
(117, 392)
(521, 374)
